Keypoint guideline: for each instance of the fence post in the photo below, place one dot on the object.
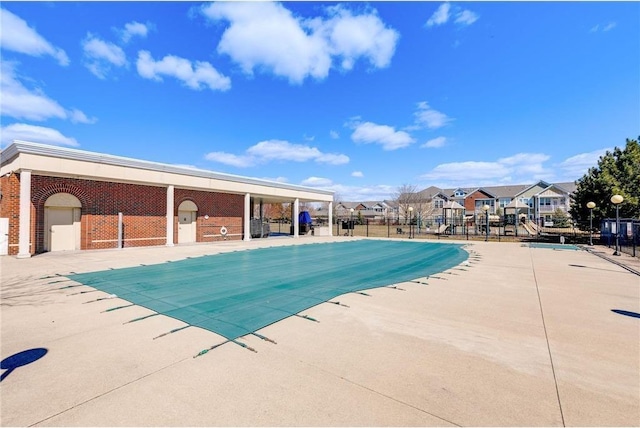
(367, 228)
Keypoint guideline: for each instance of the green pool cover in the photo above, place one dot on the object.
(238, 293)
(554, 246)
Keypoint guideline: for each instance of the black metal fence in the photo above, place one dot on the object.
(628, 235)
(500, 228)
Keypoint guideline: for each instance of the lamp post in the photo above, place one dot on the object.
(617, 200)
(591, 206)
(351, 221)
(486, 209)
(410, 220)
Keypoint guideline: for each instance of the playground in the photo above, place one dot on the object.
(514, 335)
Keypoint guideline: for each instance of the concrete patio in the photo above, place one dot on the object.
(519, 337)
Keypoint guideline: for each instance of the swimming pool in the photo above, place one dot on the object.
(238, 293)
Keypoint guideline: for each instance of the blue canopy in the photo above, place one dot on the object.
(304, 217)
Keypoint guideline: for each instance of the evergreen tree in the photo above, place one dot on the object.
(617, 172)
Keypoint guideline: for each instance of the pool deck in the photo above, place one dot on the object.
(520, 337)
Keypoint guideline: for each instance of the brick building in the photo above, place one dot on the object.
(55, 198)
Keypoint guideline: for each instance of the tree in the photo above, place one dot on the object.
(277, 211)
(560, 218)
(405, 196)
(618, 172)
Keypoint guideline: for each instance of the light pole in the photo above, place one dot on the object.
(617, 200)
(591, 206)
(486, 209)
(351, 221)
(410, 220)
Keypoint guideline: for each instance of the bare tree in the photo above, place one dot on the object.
(277, 211)
(337, 198)
(405, 196)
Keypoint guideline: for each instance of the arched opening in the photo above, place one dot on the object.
(187, 215)
(62, 222)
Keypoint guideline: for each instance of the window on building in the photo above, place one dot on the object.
(482, 202)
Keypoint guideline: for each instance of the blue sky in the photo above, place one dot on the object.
(355, 97)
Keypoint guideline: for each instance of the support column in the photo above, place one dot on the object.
(330, 218)
(247, 217)
(24, 231)
(170, 203)
(296, 222)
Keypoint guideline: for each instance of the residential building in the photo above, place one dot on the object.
(542, 198)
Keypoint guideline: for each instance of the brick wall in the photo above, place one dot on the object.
(143, 209)
(10, 207)
(222, 209)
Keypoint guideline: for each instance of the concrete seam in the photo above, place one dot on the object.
(546, 336)
(380, 393)
(110, 391)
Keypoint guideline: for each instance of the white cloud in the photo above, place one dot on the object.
(230, 159)
(195, 76)
(435, 143)
(523, 167)
(334, 135)
(17, 36)
(332, 159)
(19, 102)
(440, 16)
(132, 29)
(386, 136)
(363, 193)
(467, 171)
(576, 166)
(277, 150)
(77, 116)
(358, 174)
(267, 37)
(603, 27)
(429, 117)
(351, 37)
(36, 134)
(316, 182)
(100, 56)
(466, 17)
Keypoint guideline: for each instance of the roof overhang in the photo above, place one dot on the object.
(56, 161)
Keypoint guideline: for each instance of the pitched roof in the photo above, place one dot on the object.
(568, 186)
(429, 192)
(506, 191)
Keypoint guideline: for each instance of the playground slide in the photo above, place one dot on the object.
(529, 229)
(442, 229)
